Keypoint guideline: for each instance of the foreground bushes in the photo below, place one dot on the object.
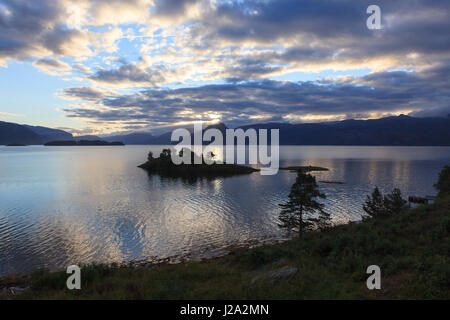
(379, 205)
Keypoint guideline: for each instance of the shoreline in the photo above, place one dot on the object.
(319, 265)
(205, 254)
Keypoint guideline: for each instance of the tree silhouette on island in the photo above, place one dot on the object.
(198, 167)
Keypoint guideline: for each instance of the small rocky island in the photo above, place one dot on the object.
(83, 143)
(165, 166)
(304, 169)
(16, 145)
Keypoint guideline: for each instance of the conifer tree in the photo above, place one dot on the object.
(302, 212)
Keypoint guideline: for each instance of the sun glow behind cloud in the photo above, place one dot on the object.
(152, 63)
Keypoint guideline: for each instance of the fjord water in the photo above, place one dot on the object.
(67, 205)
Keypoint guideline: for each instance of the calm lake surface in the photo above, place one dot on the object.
(68, 205)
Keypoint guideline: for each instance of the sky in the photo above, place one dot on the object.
(104, 66)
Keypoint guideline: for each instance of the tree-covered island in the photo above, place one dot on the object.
(198, 166)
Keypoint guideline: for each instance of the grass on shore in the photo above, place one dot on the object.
(412, 249)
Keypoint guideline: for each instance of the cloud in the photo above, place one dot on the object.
(84, 93)
(130, 74)
(40, 28)
(21, 23)
(7, 114)
(371, 96)
(305, 35)
(172, 8)
(52, 66)
(250, 39)
(175, 47)
(108, 41)
(117, 12)
(71, 43)
(81, 68)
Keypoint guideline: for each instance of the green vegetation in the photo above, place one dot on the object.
(379, 205)
(165, 166)
(443, 184)
(299, 213)
(412, 248)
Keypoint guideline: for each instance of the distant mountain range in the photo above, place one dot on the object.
(391, 131)
(47, 134)
(13, 133)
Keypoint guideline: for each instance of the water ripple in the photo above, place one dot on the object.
(106, 210)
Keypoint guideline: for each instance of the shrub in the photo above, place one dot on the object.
(394, 202)
(378, 205)
(443, 184)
